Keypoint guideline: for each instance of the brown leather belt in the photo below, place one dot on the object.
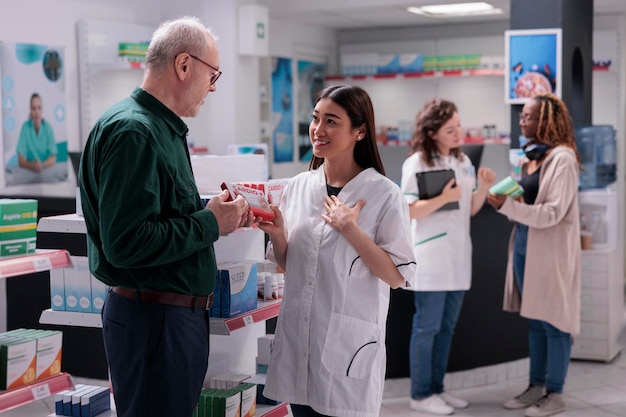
(160, 297)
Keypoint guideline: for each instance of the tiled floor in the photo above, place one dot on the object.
(592, 390)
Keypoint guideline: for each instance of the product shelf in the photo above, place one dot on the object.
(478, 72)
(35, 391)
(70, 318)
(41, 260)
(280, 410)
(265, 311)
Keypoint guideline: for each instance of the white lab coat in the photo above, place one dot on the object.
(329, 346)
(442, 242)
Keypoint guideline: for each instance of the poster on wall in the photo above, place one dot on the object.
(533, 64)
(310, 83)
(34, 132)
(282, 109)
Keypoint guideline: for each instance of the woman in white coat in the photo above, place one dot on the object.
(443, 249)
(341, 234)
(543, 271)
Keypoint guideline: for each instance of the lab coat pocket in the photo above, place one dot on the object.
(432, 253)
(352, 346)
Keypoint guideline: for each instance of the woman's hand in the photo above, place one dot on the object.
(496, 200)
(340, 216)
(451, 192)
(275, 227)
(486, 177)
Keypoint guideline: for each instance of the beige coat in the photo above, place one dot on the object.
(552, 272)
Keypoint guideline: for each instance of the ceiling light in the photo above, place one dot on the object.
(456, 9)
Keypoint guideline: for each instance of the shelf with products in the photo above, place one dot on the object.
(426, 74)
(219, 326)
(478, 72)
(41, 260)
(35, 391)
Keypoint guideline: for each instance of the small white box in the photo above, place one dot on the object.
(57, 289)
(98, 294)
(264, 345)
(78, 285)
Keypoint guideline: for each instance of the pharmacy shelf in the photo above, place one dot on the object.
(479, 72)
(426, 74)
(41, 260)
(70, 318)
(35, 391)
(280, 410)
(265, 311)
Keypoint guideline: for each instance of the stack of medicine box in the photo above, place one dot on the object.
(239, 400)
(18, 226)
(264, 351)
(82, 401)
(29, 355)
(75, 289)
(235, 289)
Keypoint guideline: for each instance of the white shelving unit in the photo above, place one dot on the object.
(41, 260)
(602, 282)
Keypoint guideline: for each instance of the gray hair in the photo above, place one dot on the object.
(186, 34)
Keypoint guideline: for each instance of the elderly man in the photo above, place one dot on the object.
(148, 235)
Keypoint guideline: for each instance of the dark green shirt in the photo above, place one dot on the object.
(146, 225)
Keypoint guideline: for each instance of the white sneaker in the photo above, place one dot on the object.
(432, 405)
(453, 401)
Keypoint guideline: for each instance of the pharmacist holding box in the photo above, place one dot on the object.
(341, 234)
(148, 235)
(440, 226)
(543, 271)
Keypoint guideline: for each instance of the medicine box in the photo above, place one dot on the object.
(18, 226)
(238, 288)
(58, 399)
(57, 289)
(95, 402)
(17, 361)
(98, 294)
(48, 350)
(78, 285)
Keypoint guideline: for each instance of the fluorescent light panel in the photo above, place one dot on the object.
(456, 9)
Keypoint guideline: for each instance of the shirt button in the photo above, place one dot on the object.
(306, 319)
(310, 282)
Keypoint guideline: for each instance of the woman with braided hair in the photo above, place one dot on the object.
(543, 270)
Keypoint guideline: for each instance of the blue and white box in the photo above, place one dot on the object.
(78, 285)
(57, 289)
(238, 288)
(98, 294)
(95, 402)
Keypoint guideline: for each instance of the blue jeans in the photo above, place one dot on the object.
(549, 348)
(436, 314)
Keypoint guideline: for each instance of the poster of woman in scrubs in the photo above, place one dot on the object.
(34, 133)
(533, 64)
(310, 83)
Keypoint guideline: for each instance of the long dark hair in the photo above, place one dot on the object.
(357, 103)
(429, 120)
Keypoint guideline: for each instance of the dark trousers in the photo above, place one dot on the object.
(157, 356)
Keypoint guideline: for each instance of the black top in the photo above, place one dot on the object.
(330, 190)
(530, 184)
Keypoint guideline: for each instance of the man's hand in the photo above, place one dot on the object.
(230, 215)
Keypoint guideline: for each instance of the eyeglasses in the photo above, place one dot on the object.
(215, 75)
(525, 118)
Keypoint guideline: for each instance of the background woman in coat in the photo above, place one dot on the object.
(342, 235)
(543, 271)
